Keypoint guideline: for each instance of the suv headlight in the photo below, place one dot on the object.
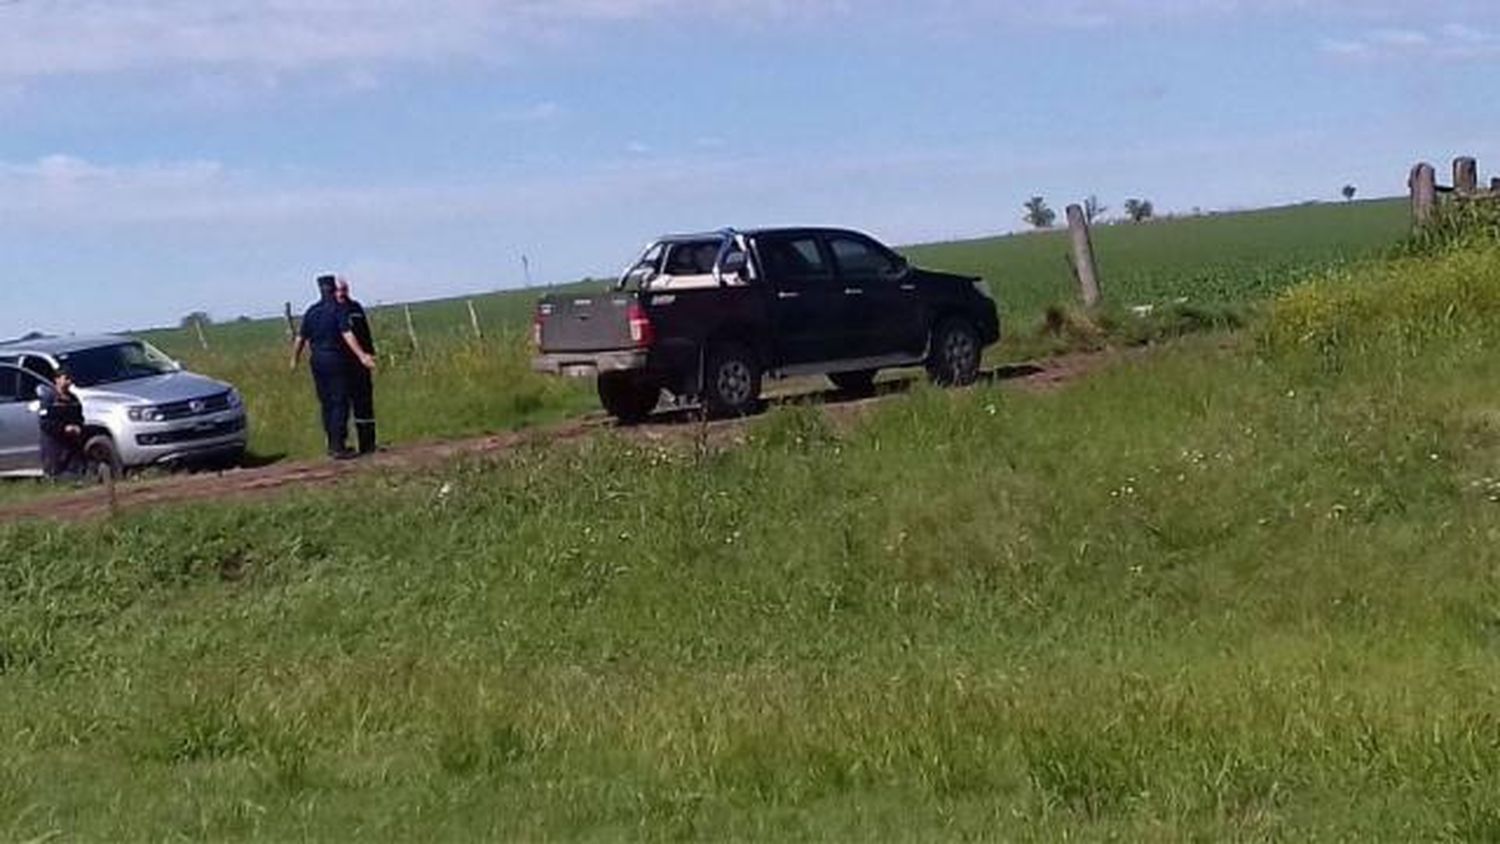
(236, 401)
(146, 413)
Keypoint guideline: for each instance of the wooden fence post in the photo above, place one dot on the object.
(411, 329)
(1423, 194)
(1495, 184)
(291, 324)
(474, 320)
(113, 492)
(1083, 256)
(1465, 176)
(202, 338)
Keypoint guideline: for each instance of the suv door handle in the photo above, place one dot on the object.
(787, 294)
(854, 291)
(908, 287)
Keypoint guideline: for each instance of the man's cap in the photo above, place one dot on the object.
(327, 282)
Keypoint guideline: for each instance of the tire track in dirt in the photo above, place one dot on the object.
(267, 481)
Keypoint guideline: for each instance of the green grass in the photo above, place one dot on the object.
(456, 387)
(1214, 593)
(452, 385)
(1211, 261)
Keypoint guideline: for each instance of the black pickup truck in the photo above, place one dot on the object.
(710, 315)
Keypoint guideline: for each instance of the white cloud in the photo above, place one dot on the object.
(543, 112)
(41, 38)
(1453, 42)
(47, 38)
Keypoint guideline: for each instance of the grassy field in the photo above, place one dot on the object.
(1226, 591)
(454, 385)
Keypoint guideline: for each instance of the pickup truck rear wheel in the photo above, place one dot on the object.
(732, 380)
(861, 383)
(628, 397)
(953, 358)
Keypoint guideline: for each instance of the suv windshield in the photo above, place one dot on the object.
(121, 362)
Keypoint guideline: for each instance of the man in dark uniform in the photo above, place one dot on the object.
(61, 421)
(326, 331)
(361, 381)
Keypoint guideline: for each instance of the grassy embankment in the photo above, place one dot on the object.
(1215, 593)
(456, 386)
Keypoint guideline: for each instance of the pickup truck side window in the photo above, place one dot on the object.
(10, 385)
(858, 257)
(692, 258)
(794, 260)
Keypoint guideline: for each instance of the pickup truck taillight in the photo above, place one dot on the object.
(642, 334)
(542, 312)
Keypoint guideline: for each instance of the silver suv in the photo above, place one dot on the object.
(141, 408)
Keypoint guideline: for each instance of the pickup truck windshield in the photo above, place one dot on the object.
(120, 362)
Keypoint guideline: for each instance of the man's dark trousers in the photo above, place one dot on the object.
(362, 403)
(60, 456)
(331, 378)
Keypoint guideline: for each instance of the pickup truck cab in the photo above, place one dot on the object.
(711, 315)
(141, 408)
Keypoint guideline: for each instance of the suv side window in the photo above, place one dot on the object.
(10, 385)
(39, 365)
(859, 257)
(796, 260)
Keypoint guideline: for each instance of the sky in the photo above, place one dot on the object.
(159, 157)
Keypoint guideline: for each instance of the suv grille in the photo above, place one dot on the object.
(208, 431)
(195, 407)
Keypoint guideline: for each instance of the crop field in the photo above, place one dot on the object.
(456, 385)
(1230, 589)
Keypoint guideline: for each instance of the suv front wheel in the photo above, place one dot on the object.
(953, 358)
(102, 459)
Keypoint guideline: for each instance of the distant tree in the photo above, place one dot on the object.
(197, 318)
(1093, 209)
(1349, 192)
(243, 319)
(1038, 214)
(1139, 210)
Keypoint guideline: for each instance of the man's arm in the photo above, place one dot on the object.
(365, 358)
(298, 347)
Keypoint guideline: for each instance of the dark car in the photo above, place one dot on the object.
(711, 315)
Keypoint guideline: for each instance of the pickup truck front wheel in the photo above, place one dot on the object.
(628, 397)
(953, 359)
(732, 380)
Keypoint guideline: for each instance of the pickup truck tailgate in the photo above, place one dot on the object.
(585, 322)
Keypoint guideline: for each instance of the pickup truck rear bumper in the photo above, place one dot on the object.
(586, 364)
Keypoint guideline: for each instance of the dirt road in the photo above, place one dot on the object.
(267, 481)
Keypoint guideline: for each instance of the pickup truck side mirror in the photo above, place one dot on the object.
(901, 268)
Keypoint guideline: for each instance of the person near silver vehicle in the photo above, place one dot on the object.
(326, 330)
(361, 378)
(60, 417)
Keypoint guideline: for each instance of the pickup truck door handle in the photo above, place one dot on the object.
(787, 294)
(908, 287)
(854, 291)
